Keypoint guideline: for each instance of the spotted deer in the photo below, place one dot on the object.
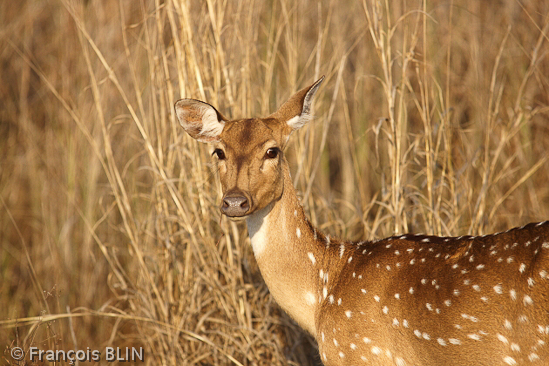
(404, 300)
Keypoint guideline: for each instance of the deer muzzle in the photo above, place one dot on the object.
(235, 204)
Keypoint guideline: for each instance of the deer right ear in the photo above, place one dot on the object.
(296, 111)
(202, 121)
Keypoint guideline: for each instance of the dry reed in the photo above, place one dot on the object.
(433, 118)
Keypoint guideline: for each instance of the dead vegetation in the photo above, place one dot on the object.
(433, 118)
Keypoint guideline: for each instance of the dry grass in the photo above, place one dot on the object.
(433, 118)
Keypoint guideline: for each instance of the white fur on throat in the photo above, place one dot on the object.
(257, 229)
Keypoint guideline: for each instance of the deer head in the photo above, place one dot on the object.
(249, 152)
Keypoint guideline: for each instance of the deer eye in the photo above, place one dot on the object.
(220, 154)
(272, 153)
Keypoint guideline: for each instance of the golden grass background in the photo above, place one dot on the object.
(434, 118)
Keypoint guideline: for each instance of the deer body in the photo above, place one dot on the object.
(406, 300)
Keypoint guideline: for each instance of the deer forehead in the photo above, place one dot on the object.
(247, 136)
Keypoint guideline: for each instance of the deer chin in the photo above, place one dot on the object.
(237, 218)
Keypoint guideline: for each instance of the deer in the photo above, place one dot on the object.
(404, 300)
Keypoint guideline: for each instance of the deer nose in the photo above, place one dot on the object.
(235, 204)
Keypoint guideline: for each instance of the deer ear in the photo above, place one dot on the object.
(202, 121)
(296, 112)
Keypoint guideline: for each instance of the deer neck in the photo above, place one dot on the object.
(286, 251)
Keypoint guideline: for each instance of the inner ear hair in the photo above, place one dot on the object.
(200, 120)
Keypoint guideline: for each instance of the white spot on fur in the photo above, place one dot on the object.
(298, 233)
(311, 257)
(469, 317)
(502, 338)
(310, 298)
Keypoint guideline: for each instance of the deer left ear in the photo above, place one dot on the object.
(202, 121)
(296, 112)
